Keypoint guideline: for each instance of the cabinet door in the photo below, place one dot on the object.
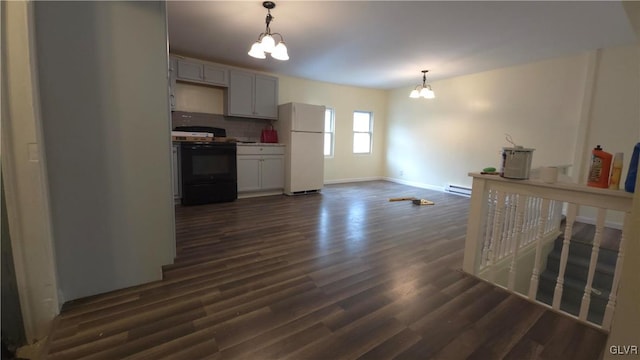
(248, 173)
(173, 65)
(240, 94)
(216, 75)
(272, 172)
(175, 167)
(189, 70)
(266, 96)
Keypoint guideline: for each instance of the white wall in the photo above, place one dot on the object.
(624, 330)
(103, 74)
(437, 142)
(615, 115)
(434, 143)
(198, 98)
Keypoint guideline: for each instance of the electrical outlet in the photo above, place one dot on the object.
(401, 173)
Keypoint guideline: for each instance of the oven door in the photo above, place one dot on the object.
(208, 163)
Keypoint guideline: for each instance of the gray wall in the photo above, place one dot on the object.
(103, 84)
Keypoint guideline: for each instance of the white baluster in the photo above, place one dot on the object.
(495, 235)
(484, 259)
(534, 217)
(542, 225)
(568, 232)
(595, 250)
(520, 208)
(528, 215)
(613, 295)
(557, 216)
(508, 226)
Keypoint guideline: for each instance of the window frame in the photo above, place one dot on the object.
(370, 132)
(331, 133)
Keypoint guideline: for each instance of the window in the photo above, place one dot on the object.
(329, 131)
(362, 132)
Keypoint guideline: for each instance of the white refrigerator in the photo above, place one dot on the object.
(300, 127)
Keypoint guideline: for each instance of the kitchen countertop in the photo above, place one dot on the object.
(259, 144)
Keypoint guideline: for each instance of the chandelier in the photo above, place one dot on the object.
(266, 44)
(423, 90)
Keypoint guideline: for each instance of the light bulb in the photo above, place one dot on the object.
(414, 94)
(427, 93)
(430, 94)
(256, 51)
(268, 44)
(280, 52)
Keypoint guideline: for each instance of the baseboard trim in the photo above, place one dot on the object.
(350, 180)
(416, 184)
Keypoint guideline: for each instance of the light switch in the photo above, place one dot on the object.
(32, 152)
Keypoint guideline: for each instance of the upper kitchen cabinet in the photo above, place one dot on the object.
(203, 73)
(252, 95)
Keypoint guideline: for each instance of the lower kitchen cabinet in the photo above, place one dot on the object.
(260, 170)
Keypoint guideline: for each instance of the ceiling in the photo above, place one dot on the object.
(385, 44)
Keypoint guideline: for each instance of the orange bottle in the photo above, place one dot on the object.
(600, 167)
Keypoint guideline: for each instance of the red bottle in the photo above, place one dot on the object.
(599, 169)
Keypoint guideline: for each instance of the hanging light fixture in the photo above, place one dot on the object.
(423, 90)
(266, 44)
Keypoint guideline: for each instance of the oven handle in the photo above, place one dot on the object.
(207, 146)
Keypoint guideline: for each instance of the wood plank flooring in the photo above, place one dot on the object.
(344, 274)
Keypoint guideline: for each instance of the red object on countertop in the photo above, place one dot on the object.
(599, 169)
(269, 135)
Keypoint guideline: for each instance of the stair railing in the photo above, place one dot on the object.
(511, 220)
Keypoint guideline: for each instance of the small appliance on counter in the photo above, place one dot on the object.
(516, 161)
(269, 135)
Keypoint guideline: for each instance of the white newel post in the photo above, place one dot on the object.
(477, 211)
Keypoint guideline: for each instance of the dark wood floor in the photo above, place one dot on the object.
(340, 275)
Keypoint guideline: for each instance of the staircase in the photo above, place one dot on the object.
(576, 272)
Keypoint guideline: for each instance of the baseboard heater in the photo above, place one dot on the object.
(304, 192)
(458, 190)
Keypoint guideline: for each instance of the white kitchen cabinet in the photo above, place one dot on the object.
(249, 172)
(272, 172)
(260, 170)
(252, 95)
(265, 100)
(175, 168)
(200, 72)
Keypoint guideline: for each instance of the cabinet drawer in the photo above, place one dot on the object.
(260, 150)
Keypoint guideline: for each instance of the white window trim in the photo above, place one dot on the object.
(332, 132)
(370, 132)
